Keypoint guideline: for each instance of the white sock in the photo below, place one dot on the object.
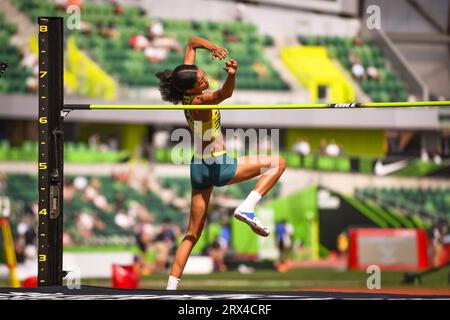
(172, 283)
(249, 204)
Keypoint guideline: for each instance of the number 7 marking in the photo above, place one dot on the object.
(43, 73)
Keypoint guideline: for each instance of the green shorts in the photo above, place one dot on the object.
(214, 171)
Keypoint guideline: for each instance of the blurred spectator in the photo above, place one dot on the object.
(230, 36)
(113, 142)
(446, 143)
(156, 30)
(92, 190)
(64, 4)
(5, 205)
(284, 233)
(80, 183)
(139, 42)
(411, 98)
(94, 140)
(85, 28)
(32, 84)
(3, 182)
(437, 245)
(167, 43)
(155, 54)
(437, 159)
(159, 39)
(217, 252)
(161, 138)
(121, 175)
(352, 56)
(373, 73)
(124, 221)
(67, 238)
(110, 31)
(342, 243)
(333, 149)
(302, 148)
(69, 190)
(424, 157)
(323, 147)
(140, 213)
(144, 235)
(225, 235)
(119, 201)
(30, 62)
(86, 223)
(165, 244)
(158, 45)
(117, 8)
(393, 141)
(358, 41)
(358, 70)
(260, 69)
(431, 146)
(27, 236)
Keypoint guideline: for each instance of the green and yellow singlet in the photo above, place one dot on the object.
(205, 129)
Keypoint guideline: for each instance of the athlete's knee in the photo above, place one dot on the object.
(193, 236)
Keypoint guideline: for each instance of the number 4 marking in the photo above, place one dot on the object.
(43, 73)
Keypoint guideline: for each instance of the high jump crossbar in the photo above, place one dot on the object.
(70, 107)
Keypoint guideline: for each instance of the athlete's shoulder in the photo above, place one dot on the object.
(189, 98)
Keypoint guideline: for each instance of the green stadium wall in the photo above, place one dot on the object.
(354, 142)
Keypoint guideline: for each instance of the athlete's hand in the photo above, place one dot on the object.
(219, 53)
(231, 66)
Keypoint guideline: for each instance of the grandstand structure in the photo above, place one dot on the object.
(415, 194)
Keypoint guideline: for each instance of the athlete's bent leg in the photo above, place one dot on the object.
(270, 168)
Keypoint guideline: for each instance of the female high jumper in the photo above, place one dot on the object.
(210, 165)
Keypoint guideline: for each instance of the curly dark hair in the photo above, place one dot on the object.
(173, 84)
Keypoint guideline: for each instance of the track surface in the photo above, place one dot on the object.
(102, 293)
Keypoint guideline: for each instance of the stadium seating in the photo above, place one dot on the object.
(130, 66)
(15, 76)
(23, 190)
(434, 203)
(387, 88)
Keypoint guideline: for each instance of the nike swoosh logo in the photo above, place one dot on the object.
(385, 169)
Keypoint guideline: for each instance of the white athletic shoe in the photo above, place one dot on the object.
(253, 221)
